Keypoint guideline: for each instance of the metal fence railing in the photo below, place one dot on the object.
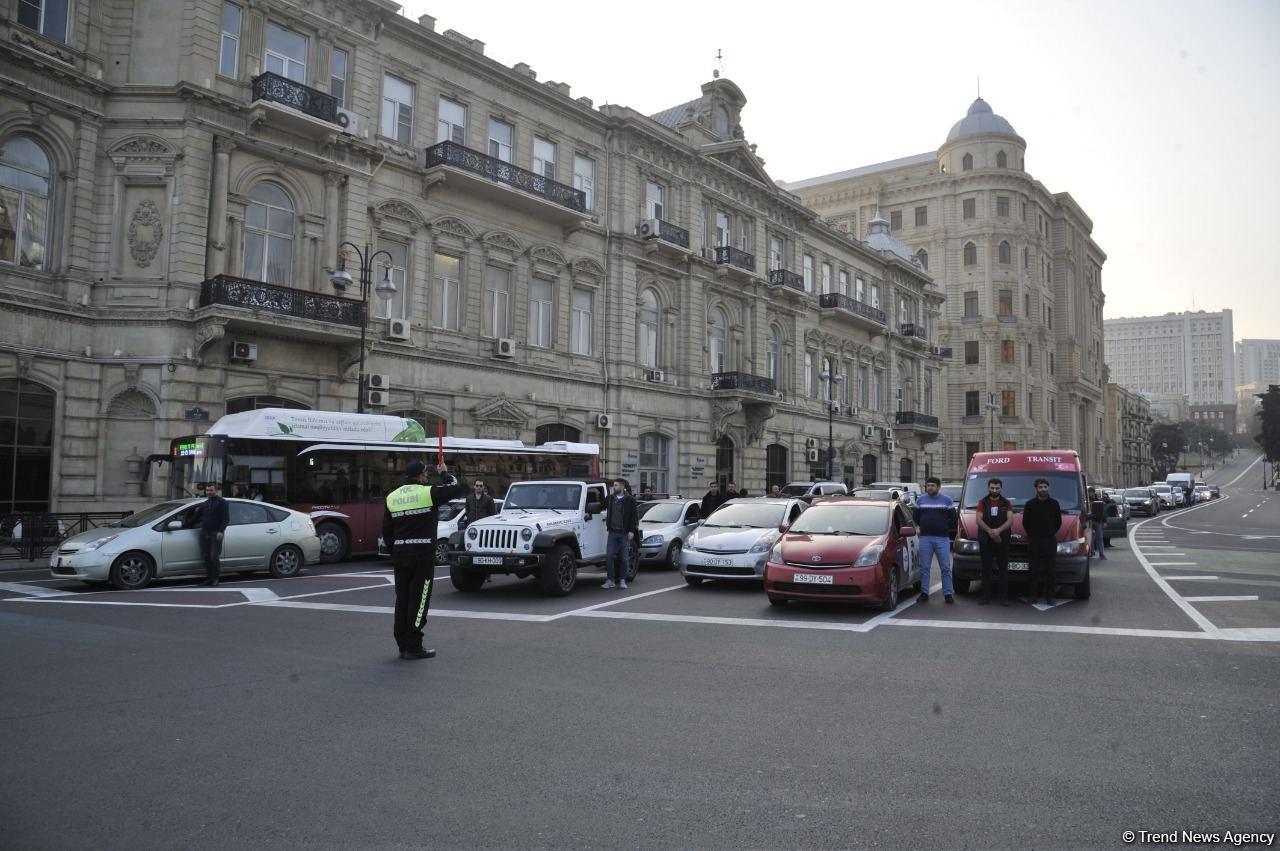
(31, 536)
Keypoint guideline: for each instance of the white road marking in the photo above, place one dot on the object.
(1173, 563)
(1187, 609)
(1244, 599)
(615, 602)
(1044, 607)
(1192, 579)
(717, 621)
(32, 590)
(1079, 630)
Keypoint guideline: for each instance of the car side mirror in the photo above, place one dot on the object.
(907, 531)
(173, 526)
(783, 527)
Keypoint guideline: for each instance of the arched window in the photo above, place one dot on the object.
(268, 235)
(774, 356)
(970, 254)
(556, 431)
(655, 462)
(719, 340)
(722, 122)
(725, 462)
(906, 469)
(966, 164)
(776, 471)
(1006, 253)
(868, 468)
(648, 339)
(1002, 161)
(26, 445)
(923, 257)
(24, 203)
(240, 404)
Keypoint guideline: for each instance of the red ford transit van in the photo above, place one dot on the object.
(1018, 471)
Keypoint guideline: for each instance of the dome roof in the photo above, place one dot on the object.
(881, 239)
(980, 120)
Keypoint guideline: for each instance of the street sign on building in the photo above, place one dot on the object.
(698, 468)
(195, 414)
(630, 463)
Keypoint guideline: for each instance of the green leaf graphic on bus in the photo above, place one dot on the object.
(285, 429)
(413, 432)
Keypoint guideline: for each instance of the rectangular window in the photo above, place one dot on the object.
(971, 303)
(843, 282)
(584, 178)
(580, 323)
(808, 273)
(724, 229)
(544, 158)
(864, 386)
(826, 278)
(495, 311)
(395, 307)
(1006, 303)
(877, 391)
(809, 389)
(338, 62)
(1002, 206)
(451, 122)
(895, 220)
(1052, 371)
(970, 208)
(971, 404)
(540, 313)
(1031, 405)
(1008, 354)
(1010, 446)
(744, 233)
(904, 315)
(1030, 351)
(922, 216)
(653, 198)
(859, 290)
(446, 292)
(775, 253)
(1026, 305)
(1050, 322)
(286, 53)
(502, 139)
(229, 51)
(397, 109)
(875, 296)
(970, 352)
(1008, 403)
(970, 450)
(49, 17)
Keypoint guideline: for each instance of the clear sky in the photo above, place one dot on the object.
(1162, 119)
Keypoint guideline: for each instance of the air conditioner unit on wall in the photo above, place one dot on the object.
(378, 381)
(656, 376)
(349, 122)
(868, 432)
(604, 421)
(813, 455)
(649, 229)
(376, 398)
(810, 442)
(397, 329)
(504, 347)
(247, 352)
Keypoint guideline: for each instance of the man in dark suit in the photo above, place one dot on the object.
(215, 515)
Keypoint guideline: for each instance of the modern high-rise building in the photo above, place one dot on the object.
(1177, 354)
(1258, 360)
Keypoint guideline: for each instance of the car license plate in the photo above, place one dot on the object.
(55, 562)
(720, 562)
(1018, 565)
(487, 560)
(813, 578)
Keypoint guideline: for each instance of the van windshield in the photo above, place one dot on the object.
(1020, 487)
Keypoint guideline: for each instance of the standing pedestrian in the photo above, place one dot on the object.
(215, 515)
(1041, 519)
(935, 516)
(711, 499)
(621, 519)
(409, 530)
(1098, 522)
(479, 503)
(995, 530)
(732, 492)
(775, 491)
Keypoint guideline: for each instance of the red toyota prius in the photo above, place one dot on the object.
(844, 549)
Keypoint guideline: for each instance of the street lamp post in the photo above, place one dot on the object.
(341, 280)
(992, 407)
(830, 379)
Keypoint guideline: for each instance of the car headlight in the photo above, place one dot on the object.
(651, 541)
(101, 542)
(526, 533)
(473, 533)
(775, 554)
(764, 544)
(1070, 548)
(966, 546)
(870, 555)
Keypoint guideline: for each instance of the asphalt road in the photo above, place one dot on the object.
(274, 713)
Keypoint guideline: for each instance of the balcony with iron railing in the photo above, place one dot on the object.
(295, 106)
(656, 231)
(910, 329)
(727, 255)
(257, 305)
(852, 307)
(743, 385)
(506, 184)
(790, 280)
(915, 418)
(915, 429)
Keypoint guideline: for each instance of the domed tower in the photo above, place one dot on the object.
(980, 140)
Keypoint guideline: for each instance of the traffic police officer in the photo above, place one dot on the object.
(409, 532)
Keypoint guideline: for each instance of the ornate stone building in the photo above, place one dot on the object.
(1128, 438)
(179, 179)
(1023, 280)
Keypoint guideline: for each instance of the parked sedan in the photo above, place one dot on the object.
(1170, 498)
(1142, 501)
(845, 549)
(164, 541)
(664, 523)
(735, 540)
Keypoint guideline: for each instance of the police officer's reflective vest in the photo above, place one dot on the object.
(411, 515)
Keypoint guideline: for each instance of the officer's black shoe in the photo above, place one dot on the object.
(420, 653)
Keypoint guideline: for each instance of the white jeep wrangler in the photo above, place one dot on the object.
(549, 529)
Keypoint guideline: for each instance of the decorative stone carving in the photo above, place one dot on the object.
(502, 241)
(149, 152)
(399, 210)
(547, 254)
(584, 268)
(500, 418)
(146, 232)
(722, 410)
(131, 375)
(455, 227)
(24, 366)
(132, 404)
(757, 417)
(208, 333)
(41, 46)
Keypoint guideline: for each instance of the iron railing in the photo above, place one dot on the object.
(916, 418)
(783, 278)
(844, 302)
(673, 234)
(910, 329)
(286, 301)
(742, 381)
(456, 156)
(32, 535)
(286, 92)
(735, 257)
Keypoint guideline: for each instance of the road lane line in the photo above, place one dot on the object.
(1062, 628)
(1173, 564)
(1192, 579)
(719, 621)
(32, 590)
(1187, 609)
(1243, 599)
(387, 610)
(615, 602)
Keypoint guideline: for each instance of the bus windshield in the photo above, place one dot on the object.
(1020, 487)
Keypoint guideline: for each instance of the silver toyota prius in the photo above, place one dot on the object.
(164, 540)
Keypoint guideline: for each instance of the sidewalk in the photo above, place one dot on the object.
(18, 565)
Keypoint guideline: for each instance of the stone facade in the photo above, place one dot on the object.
(197, 201)
(1023, 280)
(1128, 438)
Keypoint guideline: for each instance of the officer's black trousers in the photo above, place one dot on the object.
(413, 596)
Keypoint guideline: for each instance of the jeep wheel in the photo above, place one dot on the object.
(559, 572)
(469, 581)
(442, 551)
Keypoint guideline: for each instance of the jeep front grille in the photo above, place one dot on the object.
(496, 539)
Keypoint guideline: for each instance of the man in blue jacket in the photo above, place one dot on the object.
(935, 517)
(215, 516)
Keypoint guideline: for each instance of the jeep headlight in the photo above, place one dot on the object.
(473, 533)
(966, 546)
(651, 541)
(1070, 548)
(526, 533)
(764, 544)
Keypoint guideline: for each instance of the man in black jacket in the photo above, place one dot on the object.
(215, 516)
(480, 503)
(1041, 519)
(621, 519)
(712, 499)
(995, 529)
(409, 533)
(1098, 521)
